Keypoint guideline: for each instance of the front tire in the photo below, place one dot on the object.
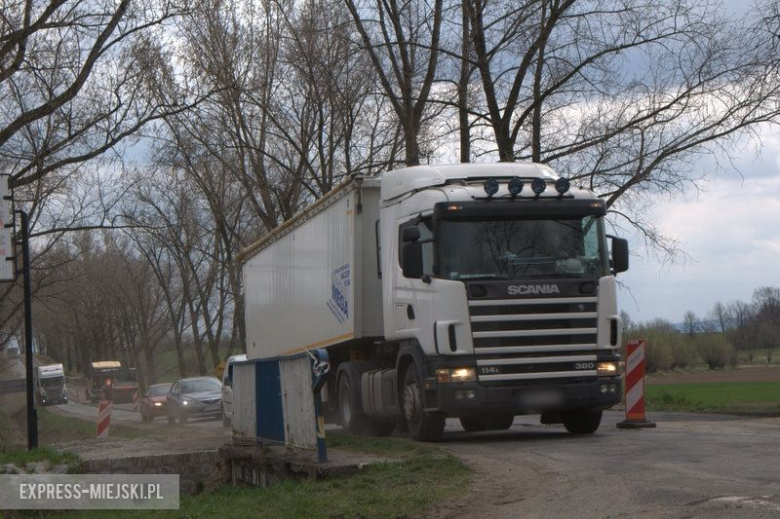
(422, 426)
(581, 421)
(472, 423)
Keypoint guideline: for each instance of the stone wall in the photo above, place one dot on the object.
(197, 470)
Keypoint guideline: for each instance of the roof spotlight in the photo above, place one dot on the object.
(515, 186)
(538, 186)
(562, 185)
(491, 186)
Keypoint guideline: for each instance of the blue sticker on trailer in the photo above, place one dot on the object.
(339, 293)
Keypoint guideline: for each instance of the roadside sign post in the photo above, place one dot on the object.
(635, 387)
(8, 272)
(7, 256)
(32, 413)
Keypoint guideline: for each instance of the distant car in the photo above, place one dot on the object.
(154, 400)
(227, 389)
(195, 397)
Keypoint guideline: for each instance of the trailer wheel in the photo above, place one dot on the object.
(423, 426)
(581, 421)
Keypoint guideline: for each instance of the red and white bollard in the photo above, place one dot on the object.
(635, 387)
(104, 418)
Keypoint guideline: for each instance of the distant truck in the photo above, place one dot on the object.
(109, 379)
(50, 385)
(472, 291)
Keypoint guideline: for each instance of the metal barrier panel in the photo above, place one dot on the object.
(277, 400)
(244, 402)
(270, 415)
(298, 402)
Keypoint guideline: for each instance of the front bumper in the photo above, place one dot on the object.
(152, 410)
(469, 398)
(198, 410)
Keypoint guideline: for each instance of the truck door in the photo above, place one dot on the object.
(431, 310)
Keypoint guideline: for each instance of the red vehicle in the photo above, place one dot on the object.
(154, 402)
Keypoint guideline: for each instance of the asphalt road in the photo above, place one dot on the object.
(124, 414)
(689, 466)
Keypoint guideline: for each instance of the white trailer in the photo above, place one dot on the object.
(475, 291)
(50, 386)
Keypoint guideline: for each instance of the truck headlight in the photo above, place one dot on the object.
(607, 369)
(158, 404)
(455, 375)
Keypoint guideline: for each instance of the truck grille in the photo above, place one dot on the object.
(534, 339)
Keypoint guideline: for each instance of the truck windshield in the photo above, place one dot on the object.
(52, 381)
(521, 249)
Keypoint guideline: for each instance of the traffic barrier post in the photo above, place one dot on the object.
(635, 387)
(104, 418)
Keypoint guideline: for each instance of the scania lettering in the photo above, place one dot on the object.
(481, 292)
(532, 289)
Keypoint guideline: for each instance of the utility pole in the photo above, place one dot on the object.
(32, 413)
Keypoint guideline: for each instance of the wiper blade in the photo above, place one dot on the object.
(481, 277)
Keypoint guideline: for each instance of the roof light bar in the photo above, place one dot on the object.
(562, 185)
(491, 187)
(515, 186)
(538, 185)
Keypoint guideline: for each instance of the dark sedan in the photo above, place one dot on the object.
(154, 400)
(196, 397)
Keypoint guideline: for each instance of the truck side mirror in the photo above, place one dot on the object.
(412, 259)
(410, 234)
(619, 254)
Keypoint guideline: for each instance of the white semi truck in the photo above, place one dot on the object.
(50, 387)
(473, 291)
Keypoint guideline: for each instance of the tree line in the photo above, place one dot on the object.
(152, 140)
(729, 332)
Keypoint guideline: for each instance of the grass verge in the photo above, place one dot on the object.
(419, 476)
(54, 427)
(749, 398)
(23, 458)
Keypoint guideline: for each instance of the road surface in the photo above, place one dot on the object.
(690, 466)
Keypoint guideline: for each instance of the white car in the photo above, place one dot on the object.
(227, 389)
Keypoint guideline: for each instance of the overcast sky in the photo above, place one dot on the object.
(731, 233)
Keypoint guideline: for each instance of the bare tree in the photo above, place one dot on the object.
(402, 41)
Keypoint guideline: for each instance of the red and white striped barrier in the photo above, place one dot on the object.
(635, 386)
(104, 418)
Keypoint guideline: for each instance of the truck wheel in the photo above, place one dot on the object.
(423, 426)
(473, 423)
(350, 416)
(581, 421)
(500, 422)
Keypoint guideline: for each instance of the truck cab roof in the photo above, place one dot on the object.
(402, 181)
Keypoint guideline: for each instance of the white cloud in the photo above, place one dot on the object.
(732, 234)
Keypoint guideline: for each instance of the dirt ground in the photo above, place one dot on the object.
(740, 374)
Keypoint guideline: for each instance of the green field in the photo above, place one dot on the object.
(754, 398)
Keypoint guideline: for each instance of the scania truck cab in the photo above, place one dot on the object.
(503, 297)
